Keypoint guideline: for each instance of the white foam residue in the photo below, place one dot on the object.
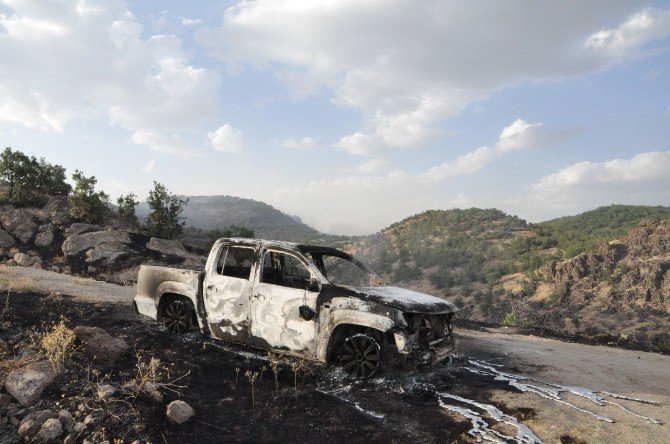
(553, 391)
(480, 428)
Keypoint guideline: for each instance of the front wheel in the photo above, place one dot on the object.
(177, 317)
(360, 356)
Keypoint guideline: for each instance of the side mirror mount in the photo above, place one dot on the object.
(306, 313)
(314, 285)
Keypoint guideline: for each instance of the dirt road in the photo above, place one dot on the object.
(536, 381)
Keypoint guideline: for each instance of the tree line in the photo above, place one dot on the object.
(28, 181)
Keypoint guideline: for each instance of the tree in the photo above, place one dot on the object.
(238, 231)
(165, 220)
(85, 204)
(28, 180)
(127, 206)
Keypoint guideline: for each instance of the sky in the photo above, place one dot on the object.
(351, 114)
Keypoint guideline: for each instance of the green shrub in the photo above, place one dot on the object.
(86, 205)
(513, 320)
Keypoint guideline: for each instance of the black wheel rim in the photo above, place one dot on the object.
(360, 356)
(177, 317)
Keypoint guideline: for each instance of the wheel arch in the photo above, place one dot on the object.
(341, 323)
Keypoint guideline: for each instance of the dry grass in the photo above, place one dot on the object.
(151, 371)
(23, 284)
(57, 344)
(9, 365)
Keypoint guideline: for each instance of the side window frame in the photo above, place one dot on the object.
(301, 261)
(225, 250)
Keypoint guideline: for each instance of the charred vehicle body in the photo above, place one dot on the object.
(314, 302)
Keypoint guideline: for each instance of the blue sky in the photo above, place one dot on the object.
(350, 114)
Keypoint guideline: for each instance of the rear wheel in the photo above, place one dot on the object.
(360, 356)
(177, 317)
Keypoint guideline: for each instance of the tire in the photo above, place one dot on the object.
(360, 356)
(178, 316)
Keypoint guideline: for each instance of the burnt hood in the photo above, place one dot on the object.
(406, 300)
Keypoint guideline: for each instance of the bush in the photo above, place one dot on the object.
(86, 205)
(57, 343)
(513, 320)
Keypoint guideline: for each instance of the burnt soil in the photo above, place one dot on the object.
(324, 406)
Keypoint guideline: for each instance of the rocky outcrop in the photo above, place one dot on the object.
(6, 239)
(108, 253)
(24, 260)
(26, 384)
(20, 223)
(172, 250)
(100, 346)
(44, 239)
(81, 228)
(78, 243)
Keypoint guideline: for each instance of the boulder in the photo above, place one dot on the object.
(100, 345)
(44, 239)
(108, 253)
(26, 384)
(56, 208)
(4, 402)
(179, 412)
(173, 249)
(78, 243)
(50, 431)
(66, 420)
(24, 260)
(81, 228)
(19, 223)
(6, 240)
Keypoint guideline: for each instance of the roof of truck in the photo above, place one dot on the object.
(286, 245)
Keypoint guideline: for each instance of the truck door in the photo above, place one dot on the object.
(281, 293)
(226, 289)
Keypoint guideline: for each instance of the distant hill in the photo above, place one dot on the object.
(576, 234)
(218, 212)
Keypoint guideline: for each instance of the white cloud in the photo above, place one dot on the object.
(78, 60)
(190, 22)
(372, 166)
(407, 66)
(519, 135)
(642, 180)
(163, 143)
(382, 199)
(306, 143)
(227, 139)
(149, 167)
(643, 168)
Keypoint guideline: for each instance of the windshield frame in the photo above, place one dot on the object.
(310, 253)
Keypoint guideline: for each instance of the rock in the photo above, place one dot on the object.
(56, 208)
(105, 392)
(6, 240)
(4, 402)
(153, 391)
(44, 239)
(70, 439)
(108, 253)
(100, 345)
(19, 223)
(90, 419)
(78, 427)
(28, 429)
(45, 415)
(37, 266)
(55, 269)
(50, 431)
(78, 243)
(24, 260)
(91, 270)
(66, 420)
(179, 412)
(26, 384)
(81, 228)
(172, 249)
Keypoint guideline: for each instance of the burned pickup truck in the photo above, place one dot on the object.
(314, 302)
